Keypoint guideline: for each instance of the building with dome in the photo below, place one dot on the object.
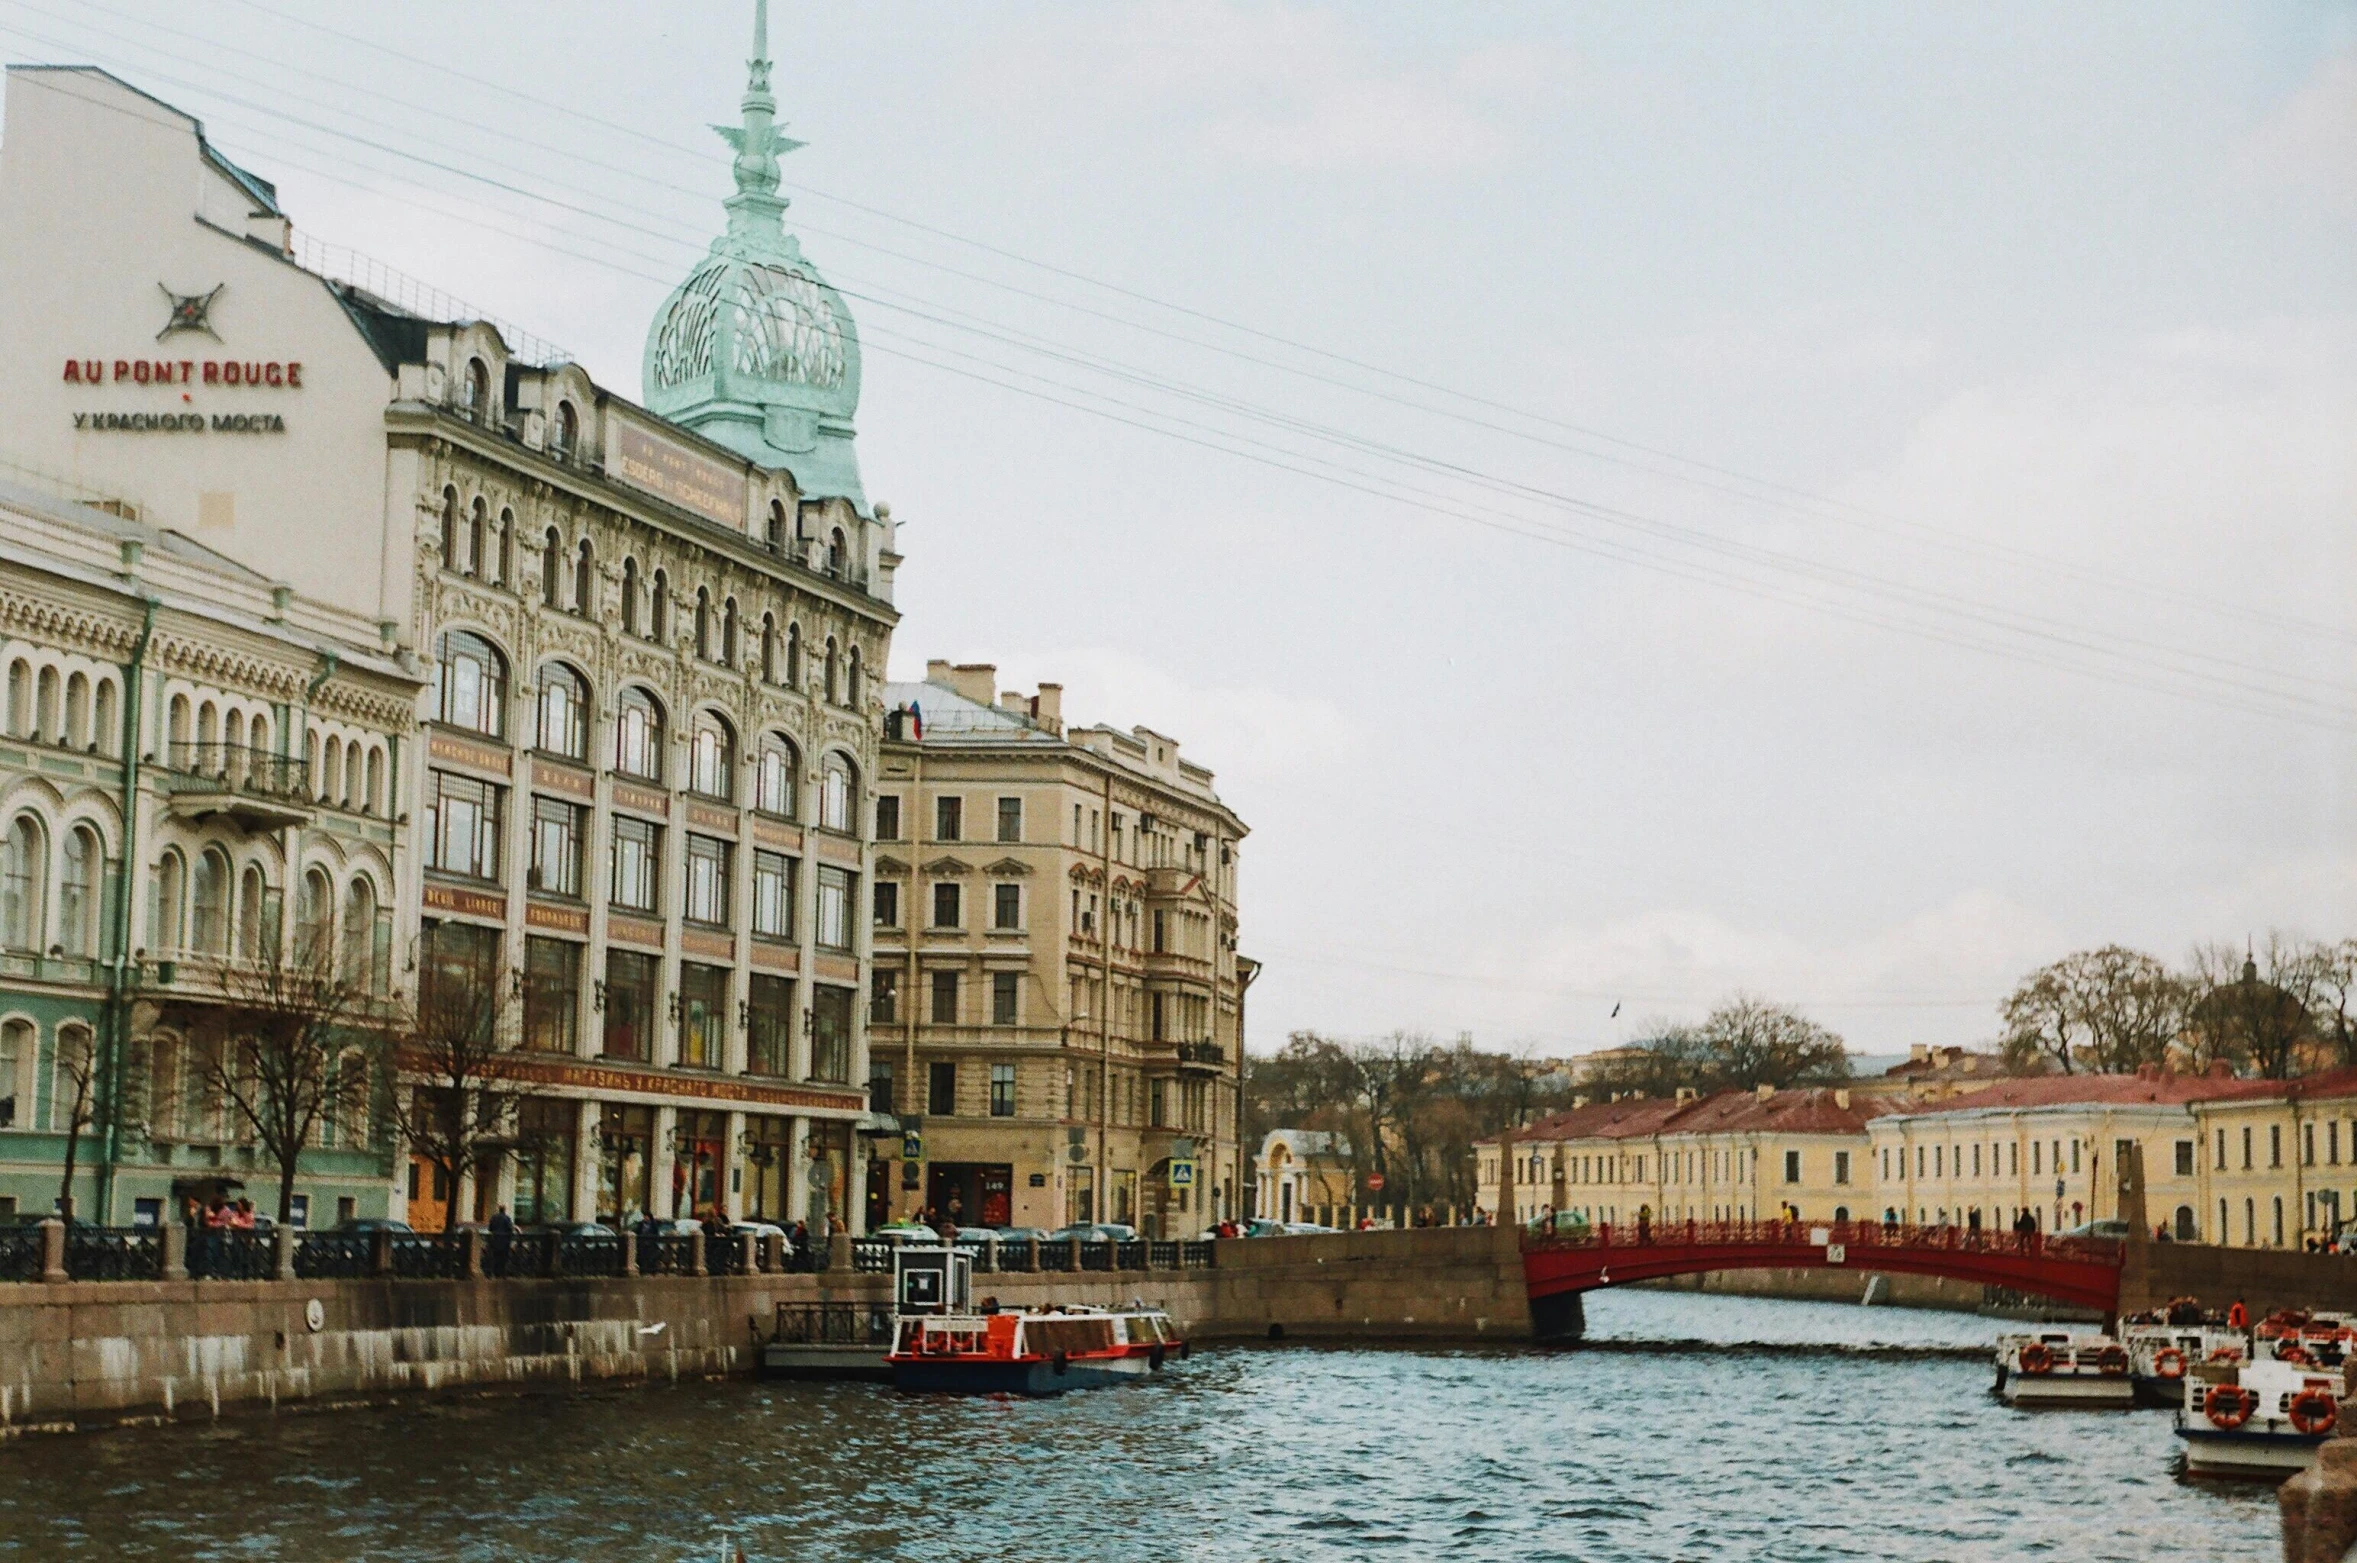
(623, 787)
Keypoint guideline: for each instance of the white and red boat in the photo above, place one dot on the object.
(2062, 1369)
(2262, 1419)
(1021, 1353)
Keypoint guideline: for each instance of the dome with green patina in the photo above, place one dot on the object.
(754, 350)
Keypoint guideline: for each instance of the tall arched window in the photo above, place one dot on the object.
(476, 391)
(551, 568)
(450, 529)
(19, 1057)
(478, 529)
(568, 431)
(176, 729)
(630, 596)
(209, 920)
(331, 770)
(77, 892)
(831, 671)
(252, 899)
(851, 682)
(712, 757)
(171, 891)
(315, 919)
(794, 656)
(768, 649)
(777, 524)
(585, 582)
(374, 802)
(24, 873)
(474, 684)
(360, 936)
(46, 726)
(837, 556)
(703, 624)
(728, 632)
(638, 735)
(776, 778)
(106, 720)
(659, 609)
(837, 793)
(77, 712)
(564, 712)
(507, 555)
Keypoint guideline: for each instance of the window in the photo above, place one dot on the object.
(947, 910)
(707, 881)
(945, 998)
(630, 1004)
(2332, 1142)
(585, 581)
(1002, 1090)
(949, 818)
(887, 903)
(1002, 997)
(941, 1089)
(884, 997)
(1010, 819)
(473, 685)
(475, 391)
(462, 825)
(23, 874)
(776, 779)
(315, 920)
(552, 995)
(830, 1033)
(728, 632)
(794, 656)
(638, 864)
(1158, 1112)
(18, 1049)
(449, 554)
(567, 433)
(564, 712)
(1792, 1166)
(768, 649)
(836, 793)
(367, 939)
(712, 757)
(552, 556)
(2274, 1147)
(659, 609)
(630, 596)
(703, 625)
(1006, 906)
(2308, 1145)
(2246, 1149)
(77, 893)
(2185, 1158)
(2221, 1165)
(703, 1015)
(887, 817)
(880, 1085)
(638, 735)
(773, 895)
(478, 524)
(769, 1033)
(1841, 1165)
(835, 887)
(1161, 930)
(557, 831)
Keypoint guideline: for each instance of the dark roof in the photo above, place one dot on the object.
(1807, 1110)
(2148, 1088)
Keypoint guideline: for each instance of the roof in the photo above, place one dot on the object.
(950, 717)
(1303, 1144)
(1809, 1110)
(2146, 1088)
(263, 192)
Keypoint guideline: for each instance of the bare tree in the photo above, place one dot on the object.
(2252, 1010)
(2332, 1002)
(2109, 1011)
(77, 1070)
(289, 1046)
(1754, 1043)
(459, 1083)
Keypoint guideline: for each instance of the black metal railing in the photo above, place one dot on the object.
(871, 1256)
(20, 1253)
(1056, 1257)
(667, 1253)
(729, 1253)
(335, 1256)
(241, 768)
(520, 1254)
(1130, 1255)
(1097, 1256)
(1193, 1256)
(232, 1254)
(589, 1253)
(1162, 1256)
(418, 1256)
(114, 1253)
(833, 1324)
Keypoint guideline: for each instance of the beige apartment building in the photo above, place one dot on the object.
(1057, 1006)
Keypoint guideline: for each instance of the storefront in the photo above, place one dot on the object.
(626, 1140)
(971, 1193)
(830, 1177)
(699, 1149)
(544, 1159)
(769, 1154)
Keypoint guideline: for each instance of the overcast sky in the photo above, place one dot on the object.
(1847, 503)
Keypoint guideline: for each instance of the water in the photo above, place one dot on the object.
(1693, 1428)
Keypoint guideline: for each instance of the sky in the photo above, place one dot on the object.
(1844, 503)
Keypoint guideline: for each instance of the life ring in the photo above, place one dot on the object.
(2168, 1362)
(2295, 1354)
(1062, 1362)
(1154, 1359)
(2313, 1411)
(2036, 1357)
(2230, 1406)
(2225, 1354)
(2112, 1361)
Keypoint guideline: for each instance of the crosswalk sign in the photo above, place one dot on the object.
(1182, 1174)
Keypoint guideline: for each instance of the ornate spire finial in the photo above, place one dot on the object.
(758, 80)
(758, 142)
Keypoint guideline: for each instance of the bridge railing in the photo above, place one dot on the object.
(1846, 1234)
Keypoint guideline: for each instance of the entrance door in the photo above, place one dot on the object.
(998, 1196)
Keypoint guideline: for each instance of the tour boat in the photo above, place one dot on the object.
(2256, 1419)
(2161, 1355)
(2304, 1339)
(1013, 1352)
(2060, 1369)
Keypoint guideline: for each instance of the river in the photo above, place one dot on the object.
(1690, 1428)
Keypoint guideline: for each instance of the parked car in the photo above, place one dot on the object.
(1011, 1234)
(906, 1232)
(1094, 1232)
(375, 1224)
(2107, 1227)
(1306, 1229)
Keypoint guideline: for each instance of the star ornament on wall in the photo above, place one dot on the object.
(190, 311)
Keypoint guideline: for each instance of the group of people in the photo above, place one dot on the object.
(209, 1224)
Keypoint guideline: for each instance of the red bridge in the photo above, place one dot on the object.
(1560, 1268)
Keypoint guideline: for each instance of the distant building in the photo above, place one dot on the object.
(1936, 1071)
(1298, 1171)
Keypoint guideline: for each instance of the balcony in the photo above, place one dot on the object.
(254, 788)
(1202, 1055)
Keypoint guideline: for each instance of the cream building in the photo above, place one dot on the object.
(1297, 1171)
(646, 638)
(1058, 995)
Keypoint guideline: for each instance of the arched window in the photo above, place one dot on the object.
(170, 903)
(251, 896)
(450, 529)
(776, 778)
(659, 613)
(551, 568)
(107, 721)
(315, 919)
(712, 757)
(507, 556)
(208, 728)
(831, 671)
(836, 554)
(331, 771)
(478, 528)
(176, 729)
(777, 525)
(630, 596)
(638, 735)
(2185, 1231)
(374, 803)
(77, 712)
(768, 649)
(24, 874)
(794, 655)
(19, 1056)
(73, 1092)
(77, 892)
(564, 712)
(209, 922)
(851, 682)
(474, 684)
(475, 392)
(360, 970)
(728, 632)
(568, 431)
(585, 582)
(703, 624)
(837, 794)
(46, 727)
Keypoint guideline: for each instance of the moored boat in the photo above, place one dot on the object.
(2261, 1419)
(1025, 1353)
(2061, 1369)
(2160, 1356)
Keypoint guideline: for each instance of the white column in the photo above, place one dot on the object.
(732, 1194)
(660, 1156)
(585, 1160)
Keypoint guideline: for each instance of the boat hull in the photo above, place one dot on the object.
(2094, 1391)
(2269, 1456)
(1037, 1377)
(2152, 1390)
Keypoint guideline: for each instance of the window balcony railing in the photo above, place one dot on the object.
(1210, 1054)
(217, 767)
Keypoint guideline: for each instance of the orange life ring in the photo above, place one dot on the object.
(2314, 1411)
(2230, 1406)
(2226, 1354)
(2037, 1358)
(2168, 1362)
(2295, 1354)
(2112, 1361)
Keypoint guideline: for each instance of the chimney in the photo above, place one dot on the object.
(1766, 1090)
(977, 681)
(1685, 1094)
(1916, 1051)
(1047, 708)
(1841, 1099)
(1013, 700)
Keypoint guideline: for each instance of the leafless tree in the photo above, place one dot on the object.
(2107, 1011)
(77, 1070)
(1753, 1043)
(459, 1078)
(2251, 1009)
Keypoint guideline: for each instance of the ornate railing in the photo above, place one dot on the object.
(237, 768)
(20, 1253)
(1097, 1256)
(1162, 1256)
(1868, 1235)
(871, 1256)
(1056, 1257)
(335, 1256)
(114, 1253)
(833, 1324)
(730, 1253)
(667, 1253)
(428, 1257)
(232, 1254)
(1198, 1255)
(589, 1253)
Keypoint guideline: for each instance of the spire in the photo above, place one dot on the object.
(757, 207)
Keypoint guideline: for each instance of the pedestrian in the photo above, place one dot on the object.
(503, 1238)
(243, 1220)
(192, 1221)
(798, 1246)
(216, 1234)
(2238, 1317)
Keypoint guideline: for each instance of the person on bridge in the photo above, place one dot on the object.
(1644, 1223)
(2238, 1317)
